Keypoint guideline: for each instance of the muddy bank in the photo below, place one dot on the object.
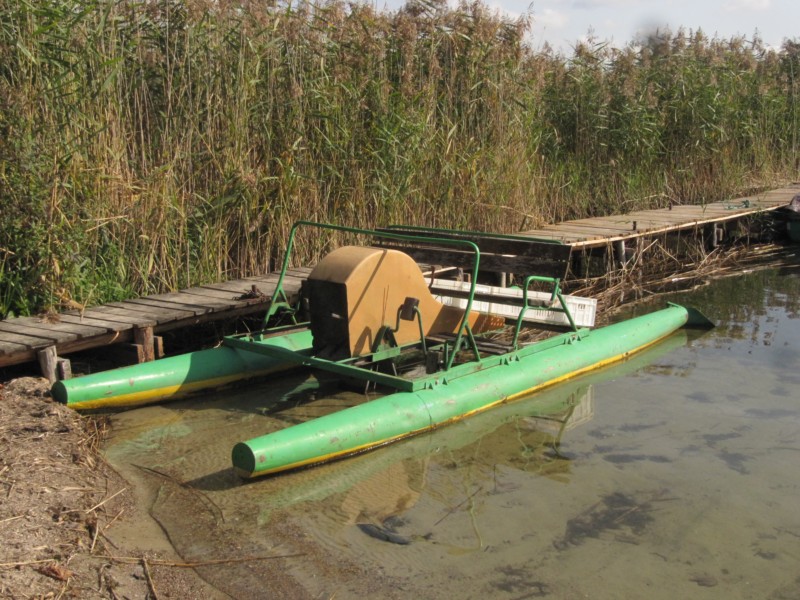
(62, 507)
(73, 527)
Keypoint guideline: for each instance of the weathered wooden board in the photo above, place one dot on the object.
(95, 321)
(9, 348)
(26, 341)
(216, 295)
(240, 286)
(264, 286)
(180, 310)
(62, 324)
(161, 315)
(587, 231)
(582, 233)
(51, 336)
(122, 315)
(608, 225)
(191, 302)
(561, 238)
(291, 281)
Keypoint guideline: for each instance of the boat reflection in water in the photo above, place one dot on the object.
(526, 434)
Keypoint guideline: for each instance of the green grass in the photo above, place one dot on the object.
(148, 146)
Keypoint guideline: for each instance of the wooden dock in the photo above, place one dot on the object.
(137, 321)
(601, 231)
(140, 321)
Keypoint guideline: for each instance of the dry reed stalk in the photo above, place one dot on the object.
(150, 583)
(194, 564)
(652, 280)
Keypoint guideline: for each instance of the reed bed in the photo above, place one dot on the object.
(151, 145)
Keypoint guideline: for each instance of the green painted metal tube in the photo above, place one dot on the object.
(174, 377)
(403, 414)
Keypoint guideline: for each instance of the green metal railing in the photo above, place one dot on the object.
(280, 299)
(556, 294)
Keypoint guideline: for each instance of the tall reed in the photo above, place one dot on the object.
(146, 146)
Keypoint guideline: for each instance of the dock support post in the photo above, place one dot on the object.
(619, 253)
(143, 338)
(53, 367)
(719, 234)
(47, 362)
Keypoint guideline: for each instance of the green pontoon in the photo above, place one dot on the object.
(369, 317)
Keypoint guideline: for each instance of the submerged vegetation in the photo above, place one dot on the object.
(150, 145)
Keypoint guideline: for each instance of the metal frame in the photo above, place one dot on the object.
(358, 367)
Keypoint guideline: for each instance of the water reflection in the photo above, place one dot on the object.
(675, 473)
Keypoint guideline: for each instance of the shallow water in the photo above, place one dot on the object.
(675, 474)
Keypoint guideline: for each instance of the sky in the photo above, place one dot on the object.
(562, 23)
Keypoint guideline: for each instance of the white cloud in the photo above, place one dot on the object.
(757, 5)
(549, 18)
(499, 9)
(601, 4)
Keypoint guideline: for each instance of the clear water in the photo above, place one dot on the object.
(674, 475)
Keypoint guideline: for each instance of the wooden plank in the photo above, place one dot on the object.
(577, 236)
(8, 348)
(266, 284)
(229, 314)
(123, 315)
(291, 280)
(581, 233)
(625, 222)
(109, 325)
(179, 310)
(641, 227)
(192, 302)
(660, 218)
(162, 315)
(709, 219)
(236, 287)
(667, 226)
(540, 233)
(676, 215)
(679, 221)
(687, 220)
(212, 294)
(774, 201)
(200, 306)
(650, 226)
(26, 341)
(603, 222)
(81, 330)
(589, 230)
(53, 336)
(696, 212)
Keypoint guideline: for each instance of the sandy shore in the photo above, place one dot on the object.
(60, 506)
